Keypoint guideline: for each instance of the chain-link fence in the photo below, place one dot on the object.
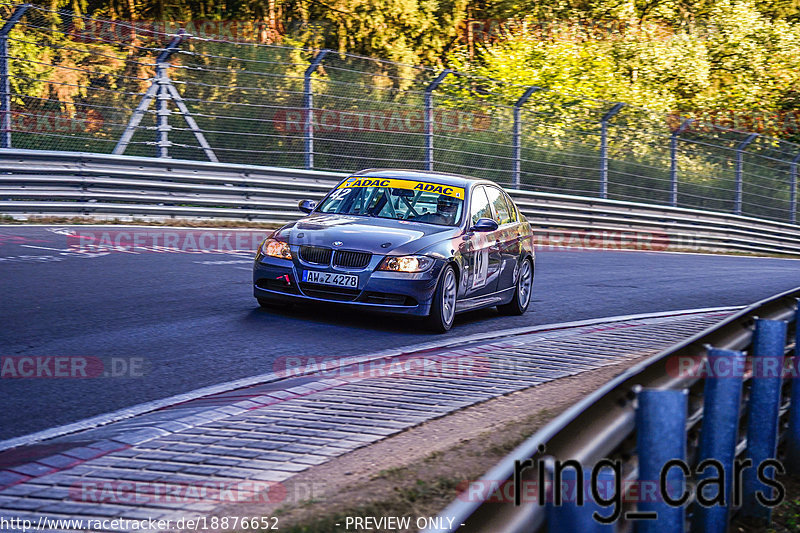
(152, 89)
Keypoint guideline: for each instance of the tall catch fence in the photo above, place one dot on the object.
(214, 91)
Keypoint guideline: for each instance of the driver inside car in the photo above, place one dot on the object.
(446, 209)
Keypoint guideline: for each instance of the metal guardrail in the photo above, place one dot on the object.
(74, 183)
(37, 182)
(628, 420)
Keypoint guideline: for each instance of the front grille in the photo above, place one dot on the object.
(344, 258)
(316, 255)
(340, 294)
(277, 285)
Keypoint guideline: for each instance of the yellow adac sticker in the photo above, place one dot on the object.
(437, 188)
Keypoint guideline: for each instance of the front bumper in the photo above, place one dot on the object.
(390, 292)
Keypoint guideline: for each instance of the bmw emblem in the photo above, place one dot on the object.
(337, 243)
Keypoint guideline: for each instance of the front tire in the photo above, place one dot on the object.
(443, 308)
(522, 295)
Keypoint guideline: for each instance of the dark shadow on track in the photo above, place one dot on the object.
(342, 316)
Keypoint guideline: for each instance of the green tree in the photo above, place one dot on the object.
(737, 60)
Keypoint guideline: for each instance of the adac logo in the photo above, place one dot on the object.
(337, 243)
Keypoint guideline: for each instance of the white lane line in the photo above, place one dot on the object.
(45, 248)
(224, 262)
(61, 231)
(68, 252)
(201, 228)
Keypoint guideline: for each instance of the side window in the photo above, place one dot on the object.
(479, 205)
(512, 209)
(498, 201)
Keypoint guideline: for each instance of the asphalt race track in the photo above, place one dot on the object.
(188, 320)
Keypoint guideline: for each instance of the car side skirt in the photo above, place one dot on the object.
(487, 300)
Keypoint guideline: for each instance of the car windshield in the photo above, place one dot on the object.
(432, 203)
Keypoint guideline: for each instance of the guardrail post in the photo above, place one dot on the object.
(660, 443)
(429, 117)
(737, 208)
(763, 406)
(308, 107)
(604, 148)
(793, 189)
(517, 134)
(5, 77)
(569, 515)
(722, 397)
(673, 164)
(793, 431)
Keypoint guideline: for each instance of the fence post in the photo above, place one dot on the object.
(429, 117)
(721, 401)
(163, 96)
(159, 89)
(604, 148)
(673, 166)
(516, 137)
(660, 438)
(5, 78)
(762, 412)
(737, 208)
(793, 431)
(793, 189)
(308, 107)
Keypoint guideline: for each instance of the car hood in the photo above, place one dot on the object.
(375, 235)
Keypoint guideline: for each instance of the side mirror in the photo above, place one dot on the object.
(484, 224)
(306, 206)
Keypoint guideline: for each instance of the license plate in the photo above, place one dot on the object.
(329, 278)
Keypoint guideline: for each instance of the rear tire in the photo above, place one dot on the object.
(522, 295)
(443, 308)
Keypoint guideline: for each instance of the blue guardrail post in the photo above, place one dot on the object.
(569, 516)
(762, 413)
(660, 438)
(722, 397)
(793, 431)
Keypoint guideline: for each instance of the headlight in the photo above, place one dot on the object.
(406, 263)
(276, 248)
